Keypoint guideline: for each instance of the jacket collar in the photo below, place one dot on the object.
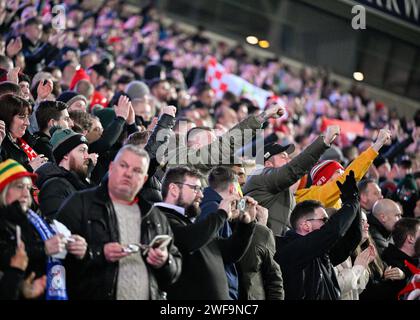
(378, 225)
(210, 194)
(173, 212)
(102, 197)
(14, 213)
(394, 253)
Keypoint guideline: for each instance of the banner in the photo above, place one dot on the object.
(221, 81)
(352, 128)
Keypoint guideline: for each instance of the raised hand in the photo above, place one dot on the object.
(384, 136)
(364, 258)
(348, 189)
(153, 124)
(131, 118)
(14, 47)
(45, 87)
(122, 109)
(170, 110)
(228, 205)
(13, 75)
(250, 212)
(275, 110)
(332, 132)
(94, 158)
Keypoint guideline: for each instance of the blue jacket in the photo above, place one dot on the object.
(209, 205)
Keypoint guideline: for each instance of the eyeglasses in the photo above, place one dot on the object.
(196, 189)
(325, 219)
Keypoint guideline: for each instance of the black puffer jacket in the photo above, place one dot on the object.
(91, 214)
(56, 184)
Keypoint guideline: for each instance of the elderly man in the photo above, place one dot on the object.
(111, 217)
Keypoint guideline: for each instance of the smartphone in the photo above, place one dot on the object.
(241, 206)
(160, 241)
(132, 248)
(18, 236)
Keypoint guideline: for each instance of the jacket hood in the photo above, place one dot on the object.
(48, 171)
(51, 170)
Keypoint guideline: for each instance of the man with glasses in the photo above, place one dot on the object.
(316, 243)
(204, 254)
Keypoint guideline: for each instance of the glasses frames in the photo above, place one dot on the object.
(325, 219)
(196, 189)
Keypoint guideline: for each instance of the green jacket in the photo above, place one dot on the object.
(259, 275)
(219, 152)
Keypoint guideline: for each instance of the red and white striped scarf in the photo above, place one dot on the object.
(27, 149)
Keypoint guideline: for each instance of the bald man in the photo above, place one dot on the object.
(385, 213)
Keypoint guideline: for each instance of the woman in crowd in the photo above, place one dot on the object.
(46, 242)
(15, 112)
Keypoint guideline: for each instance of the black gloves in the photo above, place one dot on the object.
(348, 189)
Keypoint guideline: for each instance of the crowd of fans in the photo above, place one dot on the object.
(107, 139)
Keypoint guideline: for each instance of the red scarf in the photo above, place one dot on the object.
(412, 285)
(27, 149)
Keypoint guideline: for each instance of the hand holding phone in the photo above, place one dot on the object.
(160, 241)
(132, 248)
